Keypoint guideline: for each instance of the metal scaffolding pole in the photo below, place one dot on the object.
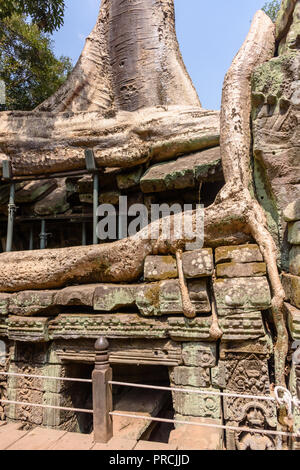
(91, 166)
(95, 207)
(31, 238)
(83, 233)
(11, 215)
(43, 235)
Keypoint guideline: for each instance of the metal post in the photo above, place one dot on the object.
(10, 221)
(43, 235)
(83, 233)
(102, 393)
(95, 207)
(31, 238)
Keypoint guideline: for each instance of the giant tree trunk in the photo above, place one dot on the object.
(129, 97)
(131, 60)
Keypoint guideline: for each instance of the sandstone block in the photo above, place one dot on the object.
(242, 294)
(3, 327)
(291, 285)
(292, 211)
(193, 404)
(4, 304)
(129, 179)
(109, 197)
(238, 254)
(54, 203)
(70, 326)
(231, 270)
(109, 297)
(147, 299)
(35, 190)
(215, 377)
(191, 376)
(31, 329)
(148, 403)
(158, 268)
(170, 297)
(199, 354)
(183, 172)
(295, 260)
(242, 327)
(185, 329)
(164, 298)
(198, 263)
(32, 415)
(294, 233)
(293, 321)
(30, 303)
(191, 437)
(76, 295)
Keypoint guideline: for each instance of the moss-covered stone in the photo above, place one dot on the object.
(292, 212)
(4, 304)
(35, 190)
(293, 321)
(295, 260)
(183, 172)
(291, 33)
(30, 303)
(76, 295)
(291, 285)
(193, 404)
(158, 268)
(111, 297)
(129, 179)
(294, 233)
(190, 376)
(109, 197)
(242, 295)
(55, 202)
(238, 254)
(199, 354)
(231, 270)
(198, 263)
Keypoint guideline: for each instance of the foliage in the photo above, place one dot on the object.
(272, 8)
(28, 66)
(48, 15)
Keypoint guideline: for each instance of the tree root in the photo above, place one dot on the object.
(189, 310)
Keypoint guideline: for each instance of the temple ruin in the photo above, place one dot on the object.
(221, 317)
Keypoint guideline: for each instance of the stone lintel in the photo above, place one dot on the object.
(239, 295)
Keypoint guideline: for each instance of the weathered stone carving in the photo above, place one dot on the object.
(199, 354)
(248, 374)
(240, 295)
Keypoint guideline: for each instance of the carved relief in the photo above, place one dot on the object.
(248, 374)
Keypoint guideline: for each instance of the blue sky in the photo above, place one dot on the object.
(209, 32)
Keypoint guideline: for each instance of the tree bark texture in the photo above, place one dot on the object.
(129, 97)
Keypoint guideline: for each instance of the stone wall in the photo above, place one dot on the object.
(55, 330)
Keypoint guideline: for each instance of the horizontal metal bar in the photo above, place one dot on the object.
(66, 379)
(187, 390)
(207, 425)
(36, 405)
(62, 174)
